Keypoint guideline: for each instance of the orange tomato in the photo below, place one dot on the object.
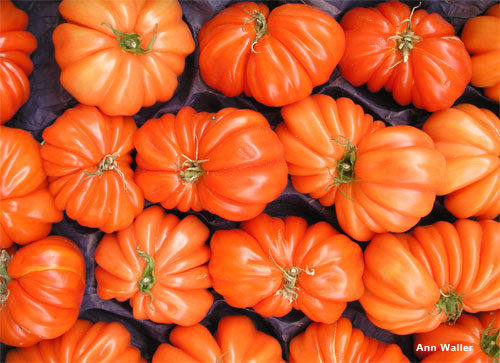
(469, 138)
(481, 36)
(379, 178)
(416, 281)
(41, 290)
(86, 156)
(160, 264)
(236, 340)
(16, 45)
(27, 209)
(275, 265)
(121, 55)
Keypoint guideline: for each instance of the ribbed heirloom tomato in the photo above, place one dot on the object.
(276, 58)
(84, 342)
(414, 282)
(413, 54)
(121, 55)
(229, 163)
(41, 290)
(27, 209)
(16, 45)
(274, 265)
(379, 178)
(339, 342)
(236, 340)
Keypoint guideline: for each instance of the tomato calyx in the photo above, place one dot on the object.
(451, 304)
(131, 42)
(260, 26)
(4, 278)
(191, 170)
(148, 279)
(107, 163)
(345, 166)
(489, 342)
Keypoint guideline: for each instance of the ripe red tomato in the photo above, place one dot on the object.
(275, 265)
(416, 281)
(41, 290)
(478, 333)
(121, 55)
(27, 209)
(413, 54)
(16, 45)
(229, 163)
(481, 36)
(469, 138)
(160, 263)
(379, 178)
(84, 342)
(339, 342)
(236, 340)
(86, 156)
(276, 58)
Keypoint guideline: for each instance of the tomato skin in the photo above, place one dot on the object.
(236, 340)
(246, 267)
(45, 293)
(27, 209)
(438, 67)
(16, 45)
(180, 294)
(84, 342)
(397, 170)
(469, 139)
(97, 72)
(467, 331)
(285, 64)
(481, 36)
(74, 146)
(243, 162)
(340, 342)
(406, 273)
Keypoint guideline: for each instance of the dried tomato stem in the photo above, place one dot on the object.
(107, 163)
(260, 26)
(489, 342)
(4, 278)
(451, 304)
(290, 279)
(148, 279)
(191, 170)
(131, 42)
(345, 166)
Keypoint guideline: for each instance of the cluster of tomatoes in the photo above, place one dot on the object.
(151, 189)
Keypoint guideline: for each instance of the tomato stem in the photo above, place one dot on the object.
(191, 170)
(148, 279)
(131, 42)
(107, 163)
(290, 279)
(345, 166)
(489, 342)
(260, 26)
(4, 278)
(451, 304)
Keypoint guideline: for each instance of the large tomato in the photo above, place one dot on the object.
(84, 342)
(27, 209)
(160, 264)
(479, 334)
(121, 55)
(413, 54)
(379, 178)
(469, 138)
(16, 45)
(230, 163)
(41, 290)
(274, 265)
(339, 342)
(416, 281)
(86, 156)
(276, 58)
(481, 36)
(236, 340)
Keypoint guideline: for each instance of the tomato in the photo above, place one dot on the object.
(274, 265)
(276, 58)
(86, 156)
(121, 55)
(416, 281)
(16, 45)
(379, 178)
(339, 342)
(41, 290)
(481, 36)
(160, 264)
(84, 342)
(236, 340)
(479, 334)
(229, 163)
(413, 54)
(469, 138)
(27, 209)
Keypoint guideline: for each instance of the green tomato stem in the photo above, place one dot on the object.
(489, 342)
(131, 42)
(4, 278)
